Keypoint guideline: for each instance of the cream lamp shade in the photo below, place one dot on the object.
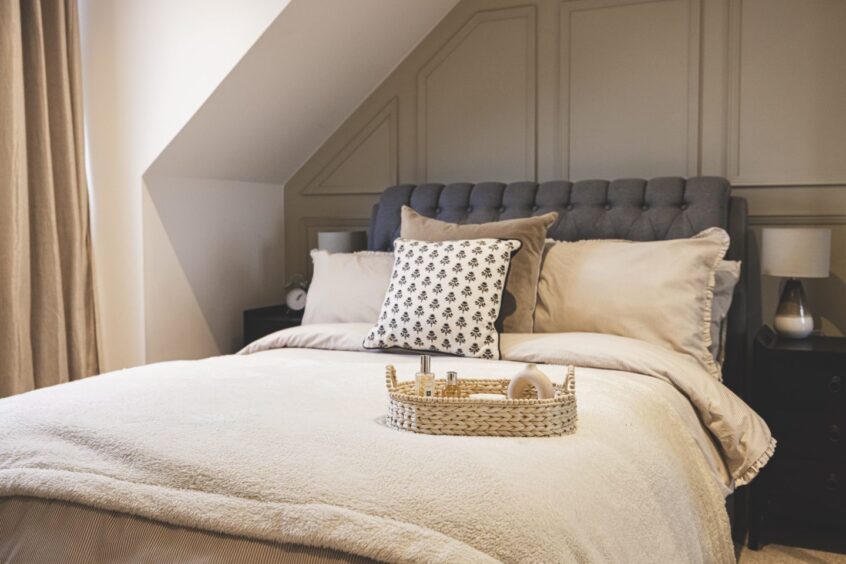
(342, 241)
(796, 252)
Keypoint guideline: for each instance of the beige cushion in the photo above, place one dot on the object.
(658, 291)
(727, 276)
(519, 298)
(347, 287)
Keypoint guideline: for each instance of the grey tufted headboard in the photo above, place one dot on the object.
(635, 209)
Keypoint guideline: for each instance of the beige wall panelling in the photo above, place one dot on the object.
(548, 84)
(713, 91)
(337, 187)
(630, 88)
(476, 101)
(786, 130)
(792, 200)
(621, 88)
(787, 121)
(367, 163)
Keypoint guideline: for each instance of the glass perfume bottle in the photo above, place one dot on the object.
(452, 388)
(425, 380)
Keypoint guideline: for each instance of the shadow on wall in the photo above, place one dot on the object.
(212, 248)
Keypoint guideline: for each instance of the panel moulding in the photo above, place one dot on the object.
(562, 150)
(733, 148)
(527, 13)
(809, 220)
(385, 117)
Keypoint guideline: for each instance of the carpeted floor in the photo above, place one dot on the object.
(777, 554)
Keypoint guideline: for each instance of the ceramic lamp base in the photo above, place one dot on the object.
(793, 319)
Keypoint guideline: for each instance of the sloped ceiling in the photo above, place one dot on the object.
(213, 221)
(312, 67)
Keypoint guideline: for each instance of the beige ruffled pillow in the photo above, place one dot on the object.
(657, 291)
(727, 277)
(347, 287)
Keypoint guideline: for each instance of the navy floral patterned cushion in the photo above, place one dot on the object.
(444, 297)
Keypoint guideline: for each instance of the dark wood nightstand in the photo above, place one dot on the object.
(266, 320)
(799, 387)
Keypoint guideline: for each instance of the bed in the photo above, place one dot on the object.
(280, 453)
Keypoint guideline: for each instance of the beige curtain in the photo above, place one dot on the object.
(47, 318)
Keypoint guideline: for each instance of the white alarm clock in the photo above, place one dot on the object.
(296, 294)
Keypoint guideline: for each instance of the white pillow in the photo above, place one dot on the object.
(347, 287)
(445, 297)
(657, 291)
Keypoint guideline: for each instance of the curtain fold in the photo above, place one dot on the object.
(47, 315)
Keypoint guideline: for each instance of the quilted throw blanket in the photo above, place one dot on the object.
(287, 443)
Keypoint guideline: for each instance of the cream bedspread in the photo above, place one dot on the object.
(288, 445)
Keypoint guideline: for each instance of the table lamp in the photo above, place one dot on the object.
(795, 253)
(342, 241)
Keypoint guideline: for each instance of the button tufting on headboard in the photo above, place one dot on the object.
(629, 208)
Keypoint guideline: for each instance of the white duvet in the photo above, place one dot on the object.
(287, 444)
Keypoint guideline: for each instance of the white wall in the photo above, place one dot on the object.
(541, 90)
(212, 248)
(184, 251)
(148, 65)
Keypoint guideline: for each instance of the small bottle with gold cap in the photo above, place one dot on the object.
(452, 389)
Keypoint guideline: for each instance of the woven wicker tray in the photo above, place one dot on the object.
(439, 415)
